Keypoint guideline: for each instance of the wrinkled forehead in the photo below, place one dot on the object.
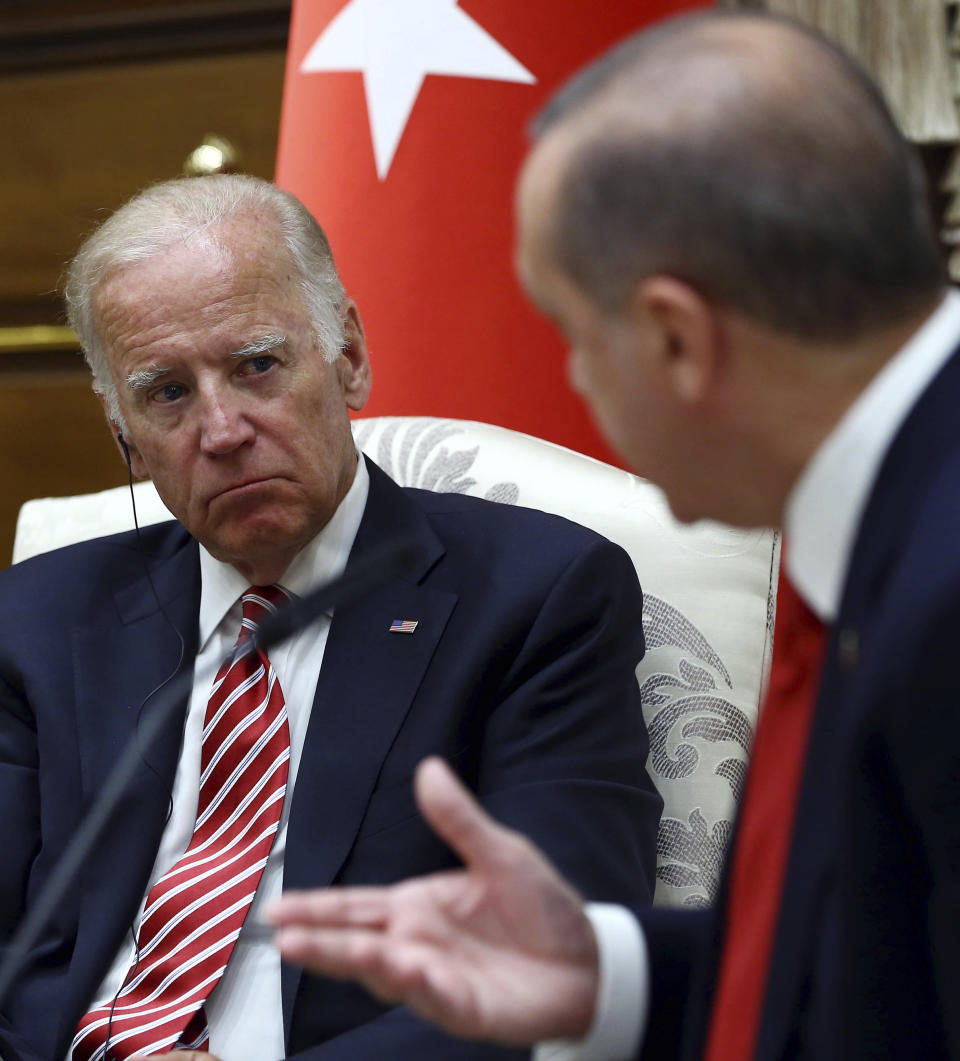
(192, 303)
(234, 243)
(205, 269)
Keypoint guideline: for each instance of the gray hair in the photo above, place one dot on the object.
(770, 177)
(174, 211)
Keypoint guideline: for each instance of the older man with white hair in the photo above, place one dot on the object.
(228, 358)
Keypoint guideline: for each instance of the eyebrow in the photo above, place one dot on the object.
(140, 380)
(260, 346)
(146, 377)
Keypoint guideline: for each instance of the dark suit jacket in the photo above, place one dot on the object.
(866, 959)
(520, 673)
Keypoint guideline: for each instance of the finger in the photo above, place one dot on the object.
(339, 953)
(457, 818)
(391, 973)
(359, 907)
(352, 954)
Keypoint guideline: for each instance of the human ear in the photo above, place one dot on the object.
(354, 362)
(684, 324)
(124, 443)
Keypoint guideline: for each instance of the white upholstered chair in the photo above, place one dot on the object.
(708, 614)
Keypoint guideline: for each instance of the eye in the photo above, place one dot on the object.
(169, 392)
(260, 364)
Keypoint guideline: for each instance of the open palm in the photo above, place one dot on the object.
(499, 950)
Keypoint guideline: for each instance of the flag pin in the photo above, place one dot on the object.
(404, 626)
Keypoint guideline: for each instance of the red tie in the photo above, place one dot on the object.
(766, 824)
(194, 913)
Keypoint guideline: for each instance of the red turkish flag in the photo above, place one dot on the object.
(403, 129)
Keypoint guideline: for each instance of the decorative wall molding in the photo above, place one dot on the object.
(52, 36)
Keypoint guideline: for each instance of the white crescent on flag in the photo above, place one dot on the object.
(395, 45)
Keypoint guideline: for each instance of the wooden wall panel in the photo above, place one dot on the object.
(46, 34)
(77, 143)
(54, 441)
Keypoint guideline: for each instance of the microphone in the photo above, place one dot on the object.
(362, 575)
(373, 568)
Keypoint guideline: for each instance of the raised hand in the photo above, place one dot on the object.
(500, 950)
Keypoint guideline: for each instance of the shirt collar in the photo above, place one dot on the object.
(320, 560)
(823, 511)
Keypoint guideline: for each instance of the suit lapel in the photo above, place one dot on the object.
(367, 683)
(925, 442)
(117, 666)
(118, 663)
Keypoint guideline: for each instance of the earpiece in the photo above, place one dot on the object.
(179, 636)
(124, 447)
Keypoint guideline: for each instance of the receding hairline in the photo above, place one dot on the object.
(259, 225)
(136, 219)
(262, 221)
(745, 156)
(724, 48)
(739, 51)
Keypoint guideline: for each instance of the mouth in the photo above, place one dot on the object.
(240, 488)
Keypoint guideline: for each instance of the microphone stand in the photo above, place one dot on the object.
(364, 574)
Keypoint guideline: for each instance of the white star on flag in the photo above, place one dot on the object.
(395, 45)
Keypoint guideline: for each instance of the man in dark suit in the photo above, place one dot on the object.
(724, 221)
(227, 356)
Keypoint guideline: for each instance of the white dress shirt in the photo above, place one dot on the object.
(243, 1011)
(821, 520)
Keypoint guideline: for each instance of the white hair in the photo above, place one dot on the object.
(174, 211)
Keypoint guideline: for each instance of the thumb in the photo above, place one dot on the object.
(456, 817)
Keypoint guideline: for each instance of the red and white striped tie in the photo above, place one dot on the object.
(194, 913)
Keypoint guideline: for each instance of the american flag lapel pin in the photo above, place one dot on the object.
(404, 626)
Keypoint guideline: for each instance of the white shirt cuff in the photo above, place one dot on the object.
(623, 995)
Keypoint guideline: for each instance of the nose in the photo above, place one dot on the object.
(224, 426)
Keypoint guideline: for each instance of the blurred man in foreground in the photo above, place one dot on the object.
(724, 221)
(228, 357)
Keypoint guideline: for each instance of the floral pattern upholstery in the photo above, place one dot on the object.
(709, 598)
